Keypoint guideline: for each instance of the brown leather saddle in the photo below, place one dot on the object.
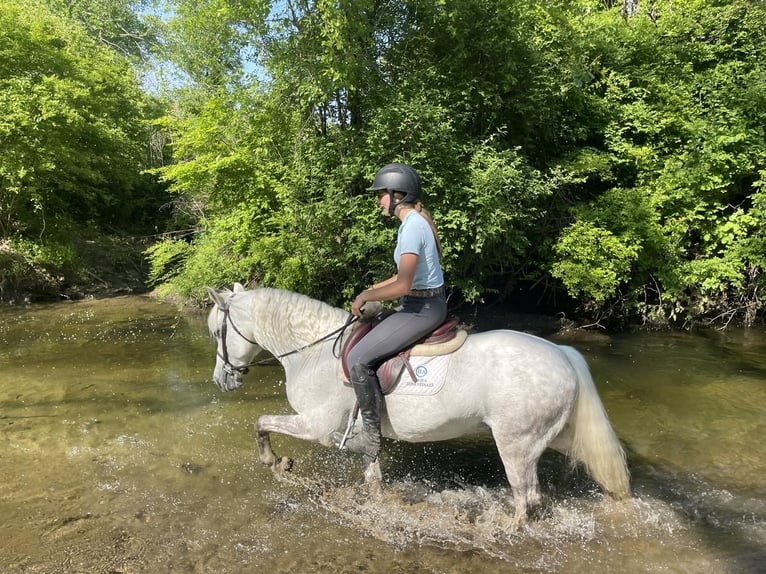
(390, 371)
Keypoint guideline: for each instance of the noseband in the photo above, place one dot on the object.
(224, 354)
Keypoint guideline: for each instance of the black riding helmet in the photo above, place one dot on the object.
(397, 177)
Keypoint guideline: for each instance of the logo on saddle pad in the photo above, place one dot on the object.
(430, 375)
(418, 370)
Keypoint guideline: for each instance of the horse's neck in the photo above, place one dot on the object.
(288, 322)
(284, 321)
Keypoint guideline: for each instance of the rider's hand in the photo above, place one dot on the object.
(356, 306)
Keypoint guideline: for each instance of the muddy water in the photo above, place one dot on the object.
(117, 454)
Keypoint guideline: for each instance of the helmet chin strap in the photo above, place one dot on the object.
(392, 204)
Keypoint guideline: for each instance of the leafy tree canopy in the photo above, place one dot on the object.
(72, 136)
(608, 152)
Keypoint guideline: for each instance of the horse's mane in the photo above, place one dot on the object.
(305, 317)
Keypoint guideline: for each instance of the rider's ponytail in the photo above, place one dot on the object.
(420, 208)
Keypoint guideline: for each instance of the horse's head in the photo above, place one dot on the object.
(229, 324)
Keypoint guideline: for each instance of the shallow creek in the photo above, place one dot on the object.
(118, 454)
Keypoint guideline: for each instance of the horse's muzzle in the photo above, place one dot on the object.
(229, 384)
(228, 379)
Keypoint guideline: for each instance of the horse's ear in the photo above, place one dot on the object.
(216, 297)
(238, 288)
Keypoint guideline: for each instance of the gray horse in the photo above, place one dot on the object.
(531, 394)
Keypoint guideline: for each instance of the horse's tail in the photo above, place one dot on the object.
(593, 441)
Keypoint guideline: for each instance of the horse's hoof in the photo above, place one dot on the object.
(516, 524)
(283, 464)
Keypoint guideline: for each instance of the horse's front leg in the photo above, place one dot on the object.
(266, 453)
(291, 425)
(373, 478)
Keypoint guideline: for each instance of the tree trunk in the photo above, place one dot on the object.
(629, 8)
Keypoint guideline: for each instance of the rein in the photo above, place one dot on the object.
(228, 367)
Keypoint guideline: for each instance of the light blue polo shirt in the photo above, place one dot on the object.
(415, 236)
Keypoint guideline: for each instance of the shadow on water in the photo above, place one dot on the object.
(419, 472)
(714, 522)
(474, 462)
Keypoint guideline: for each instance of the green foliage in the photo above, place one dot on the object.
(217, 254)
(117, 24)
(208, 39)
(487, 225)
(622, 157)
(55, 255)
(593, 261)
(72, 138)
(167, 259)
(685, 133)
(34, 266)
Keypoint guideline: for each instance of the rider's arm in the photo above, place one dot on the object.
(393, 287)
(384, 282)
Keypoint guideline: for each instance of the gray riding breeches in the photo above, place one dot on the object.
(414, 320)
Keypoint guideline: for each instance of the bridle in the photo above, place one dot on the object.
(231, 369)
(228, 367)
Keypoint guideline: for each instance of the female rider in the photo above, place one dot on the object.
(419, 281)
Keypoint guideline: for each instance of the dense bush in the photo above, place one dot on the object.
(621, 155)
(577, 149)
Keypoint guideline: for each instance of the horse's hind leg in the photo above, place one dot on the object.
(520, 461)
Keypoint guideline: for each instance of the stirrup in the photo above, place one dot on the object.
(340, 439)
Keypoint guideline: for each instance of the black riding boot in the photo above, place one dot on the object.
(368, 394)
